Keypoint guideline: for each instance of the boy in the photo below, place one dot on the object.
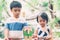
(14, 25)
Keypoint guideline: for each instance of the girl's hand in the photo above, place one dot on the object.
(35, 36)
(48, 37)
(40, 38)
(6, 39)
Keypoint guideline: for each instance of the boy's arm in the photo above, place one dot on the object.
(6, 33)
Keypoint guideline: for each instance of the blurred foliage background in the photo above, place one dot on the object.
(33, 6)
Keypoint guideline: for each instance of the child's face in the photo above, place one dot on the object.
(16, 12)
(41, 21)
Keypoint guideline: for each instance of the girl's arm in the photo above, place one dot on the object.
(35, 33)
(50, 36)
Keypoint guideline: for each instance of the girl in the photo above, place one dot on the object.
(43, 30)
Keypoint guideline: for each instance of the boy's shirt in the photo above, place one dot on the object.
(15, 27)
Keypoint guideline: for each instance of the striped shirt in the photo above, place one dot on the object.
(15, 27)
(43, 33)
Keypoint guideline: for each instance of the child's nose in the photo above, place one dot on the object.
(17, 12)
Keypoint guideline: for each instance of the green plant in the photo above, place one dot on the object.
(3, 7)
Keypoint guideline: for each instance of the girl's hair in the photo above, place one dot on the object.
(44, 16)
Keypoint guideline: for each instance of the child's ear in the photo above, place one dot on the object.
(37, 18)
(11, 10)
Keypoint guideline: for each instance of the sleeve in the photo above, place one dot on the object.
(25, 24)
(48, 28)
(6, 24)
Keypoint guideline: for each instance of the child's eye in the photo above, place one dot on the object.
(43, 20)
(19, 10)
(40, 20)
(15, 10)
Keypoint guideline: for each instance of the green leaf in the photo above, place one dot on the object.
(45, 4)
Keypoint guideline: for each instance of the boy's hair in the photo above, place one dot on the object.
(15, 4)
(44, 16)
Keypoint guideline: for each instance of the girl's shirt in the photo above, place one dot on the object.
(42, 33)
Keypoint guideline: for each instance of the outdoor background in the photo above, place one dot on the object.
(30, 9)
